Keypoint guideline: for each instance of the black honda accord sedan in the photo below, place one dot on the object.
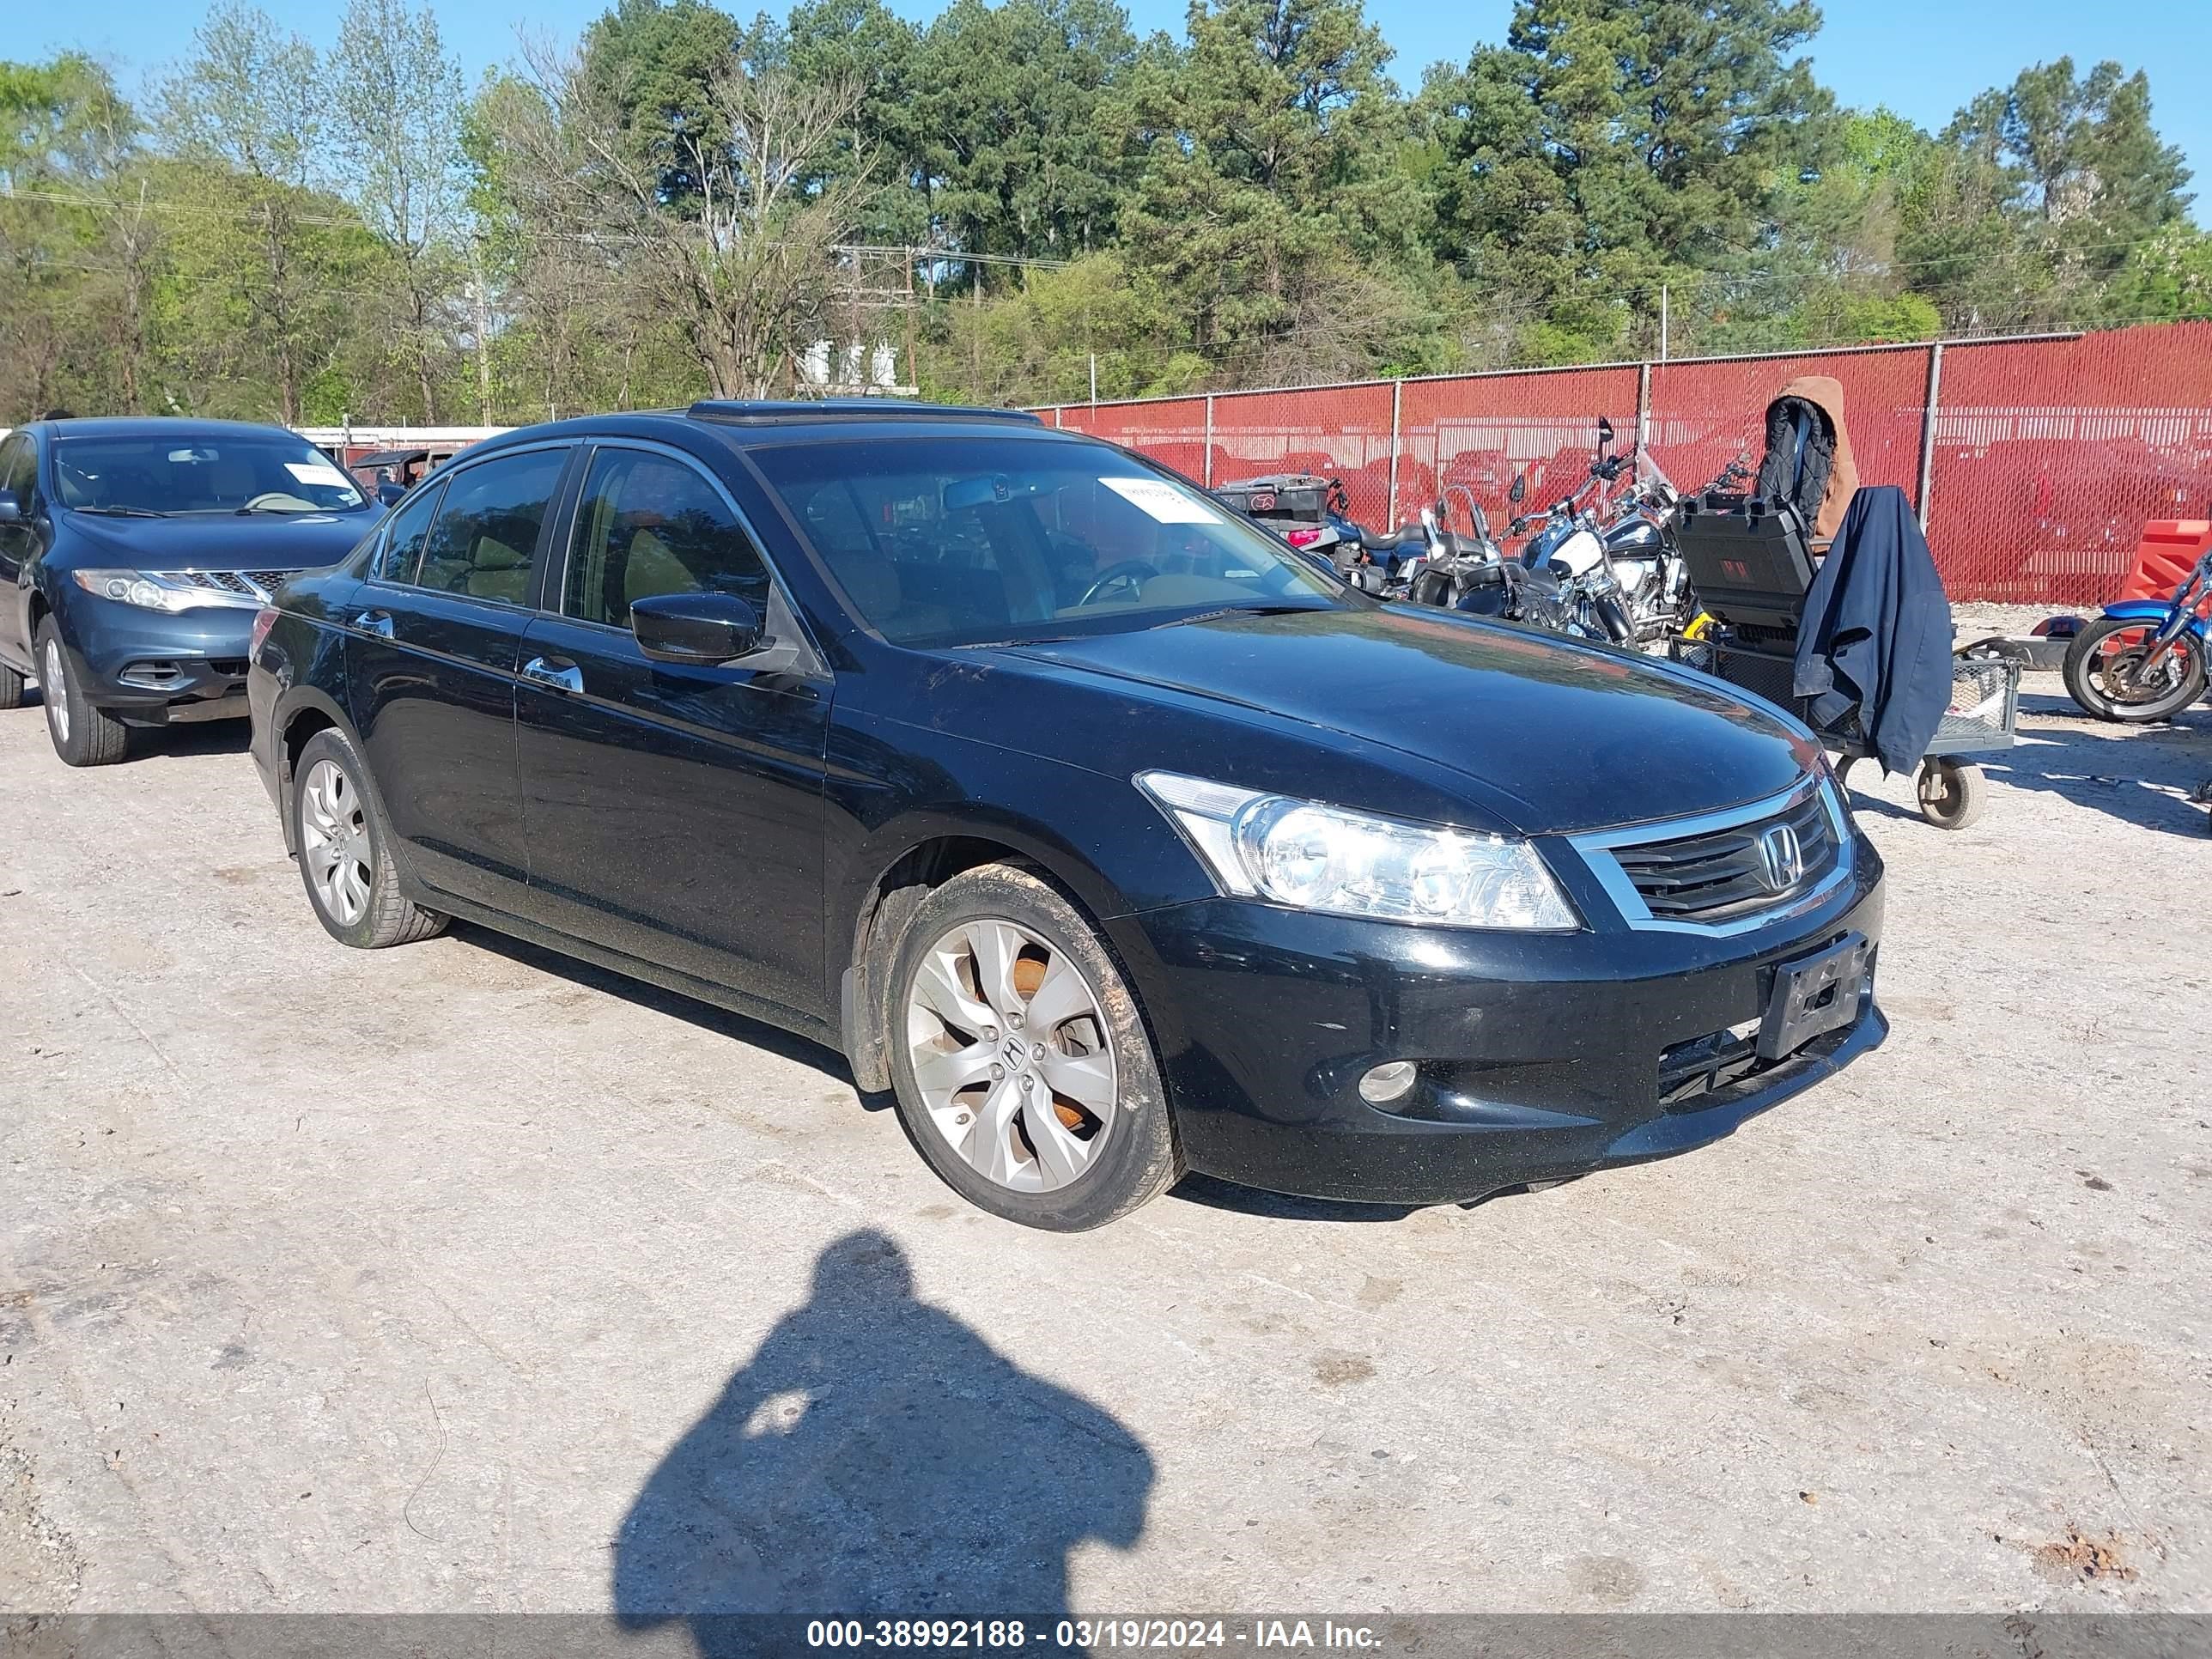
(133, 555)
(1110, 835)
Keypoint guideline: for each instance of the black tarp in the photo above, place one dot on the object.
(1876, 635)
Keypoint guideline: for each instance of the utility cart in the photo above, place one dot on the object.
(1751, 569)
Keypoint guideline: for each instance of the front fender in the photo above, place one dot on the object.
(2153, 610)
(290, 703)
(893, 788)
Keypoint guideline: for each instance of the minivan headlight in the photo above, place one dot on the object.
(158, 592)
(1317, 857)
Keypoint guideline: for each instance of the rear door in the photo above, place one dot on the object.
(673, 813)
(431, 651)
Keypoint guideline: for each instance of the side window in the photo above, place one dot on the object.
(402, 546)
(484, 538)
(650, 524)
(19, 470)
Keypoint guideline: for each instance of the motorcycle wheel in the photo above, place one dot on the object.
(2100, 665)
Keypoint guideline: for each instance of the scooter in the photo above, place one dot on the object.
(2144, 659)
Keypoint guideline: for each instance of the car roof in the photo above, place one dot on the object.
(155, 426)
(744, 424)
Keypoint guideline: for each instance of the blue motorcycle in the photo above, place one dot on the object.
(2144, 659)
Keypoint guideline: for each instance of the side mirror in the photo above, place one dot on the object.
(698, 628)
(1519, 491)
(390, 491)
(1604, 434)
(11, 510)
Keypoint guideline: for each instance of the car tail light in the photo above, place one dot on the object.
(264, 620)
(1302, 537)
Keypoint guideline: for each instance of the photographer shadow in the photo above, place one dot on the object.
(875, 1457)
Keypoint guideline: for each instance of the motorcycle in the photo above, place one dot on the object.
(1612, 574)
(2144, 659)
(1313, 515)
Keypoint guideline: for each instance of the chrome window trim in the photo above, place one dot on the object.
(1596, 850)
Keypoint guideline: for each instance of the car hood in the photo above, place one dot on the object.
(224, 541)
(1564, 736)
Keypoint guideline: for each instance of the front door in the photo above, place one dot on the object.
(432, 639)
(19, 544)
(673, 813)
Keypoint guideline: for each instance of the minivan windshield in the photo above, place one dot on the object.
(953, 541)
(224, 472)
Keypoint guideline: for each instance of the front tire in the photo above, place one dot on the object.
(1022, 1068)
(345, 851)
(13, 691)
(82, 735)
(2097, 677)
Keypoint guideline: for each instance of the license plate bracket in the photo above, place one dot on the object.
(1815, 994)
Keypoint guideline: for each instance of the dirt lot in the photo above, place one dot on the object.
(457, 1277)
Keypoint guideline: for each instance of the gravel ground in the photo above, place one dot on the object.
(460, 1277)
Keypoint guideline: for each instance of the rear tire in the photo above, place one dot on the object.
(1041, 1100)
(345, 851)
(14, 688)
(2095, 652)
(82, 735)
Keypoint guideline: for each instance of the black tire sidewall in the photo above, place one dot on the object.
(90, 743)
(1142, 1156)
(2079, 653)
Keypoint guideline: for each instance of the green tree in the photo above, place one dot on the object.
(246, 110)
(1610, 146)
(1272, 172)
(1013, 102)
(79, 244)
(396, 103)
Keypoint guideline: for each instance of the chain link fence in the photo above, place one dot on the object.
(2034, 463)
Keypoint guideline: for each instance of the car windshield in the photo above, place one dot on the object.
(953, 541)
(224, 473)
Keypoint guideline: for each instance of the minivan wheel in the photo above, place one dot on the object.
(1020, 1062)
(82, 735)
(345, 851)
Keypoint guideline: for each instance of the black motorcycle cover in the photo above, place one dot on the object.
(1876, 633)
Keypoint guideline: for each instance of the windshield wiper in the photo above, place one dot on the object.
(241, 512)
(122, 512)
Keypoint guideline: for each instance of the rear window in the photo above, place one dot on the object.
(961, 540)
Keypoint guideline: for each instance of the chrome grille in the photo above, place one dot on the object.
(259, 585)
(1727, 869)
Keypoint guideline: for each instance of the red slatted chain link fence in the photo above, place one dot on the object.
(2033, 463)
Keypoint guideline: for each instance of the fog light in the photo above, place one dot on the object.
(1387, 1082)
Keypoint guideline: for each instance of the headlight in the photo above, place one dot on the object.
(1314, 857)
(158, 592)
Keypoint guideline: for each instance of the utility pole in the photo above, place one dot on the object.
(1662, 322)
(913, 374)
(484, 332)
(1094, 380)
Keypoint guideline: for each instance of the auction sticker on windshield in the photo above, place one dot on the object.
(1162, 500)
(311, 472)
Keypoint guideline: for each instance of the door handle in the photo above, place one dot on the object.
(556, 672)
(378, 622)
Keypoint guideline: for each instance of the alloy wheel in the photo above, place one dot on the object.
(55, 689)
(334, 842)
(1009, 1046)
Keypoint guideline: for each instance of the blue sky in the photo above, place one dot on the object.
(1922, 58)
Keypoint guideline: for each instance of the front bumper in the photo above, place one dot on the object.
(154, 667)
(1541, 1057)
